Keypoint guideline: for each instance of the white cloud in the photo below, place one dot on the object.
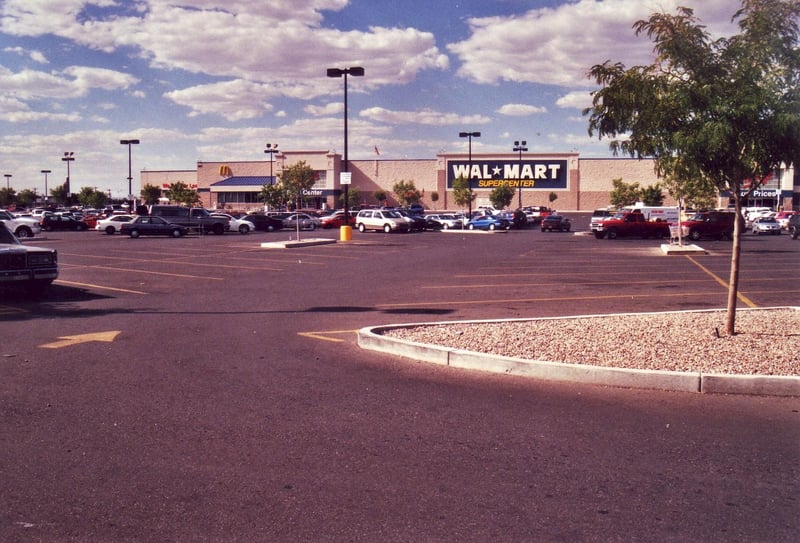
(331, 108)
(577, 99)
(520, 110)
(559, 45)
(424, 117)
(234, 100)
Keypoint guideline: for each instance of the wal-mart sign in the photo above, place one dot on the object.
(527, 174)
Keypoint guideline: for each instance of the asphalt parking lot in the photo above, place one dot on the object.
(206, 389)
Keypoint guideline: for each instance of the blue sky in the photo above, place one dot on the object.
(215, 80)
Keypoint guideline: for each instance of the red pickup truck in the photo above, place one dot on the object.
(631, 224)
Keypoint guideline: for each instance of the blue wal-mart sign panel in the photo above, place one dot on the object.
(528, 174)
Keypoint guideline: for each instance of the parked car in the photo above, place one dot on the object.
(305, 221)
(112, 224)
(488, 222)
(22, 227)
(598, 216)
(152, 226)
(794, 226)
(416, 222)
(783, 218)
(443, 221)
(336, 219)
(551, 223)
(32, 268)
(62, 222)
(416, 209)
(766, 225)
(242, 225)
(710, 224)
(381, 219)
(264, 223)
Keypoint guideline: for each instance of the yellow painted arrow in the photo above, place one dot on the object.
(67, 341)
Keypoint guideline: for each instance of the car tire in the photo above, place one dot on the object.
(694, 234)
(470, 227)
(24, 232)
(362, 228)
(177, 233)
(492, 227)
(110, 230)
(387, 228)
(134, 233)
(48, 228)
(612, 233)
(218, 229)
(244, 229)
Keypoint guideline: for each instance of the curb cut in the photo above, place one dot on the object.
(372, 338)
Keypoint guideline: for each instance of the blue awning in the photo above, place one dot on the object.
(244, 183)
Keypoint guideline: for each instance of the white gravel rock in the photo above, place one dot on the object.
(767, 341)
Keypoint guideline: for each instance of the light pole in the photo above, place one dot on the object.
(45, 172)
(519, 146)
(355, 71)
(68, 157)
(130, 177)
(469, 135)
(8, 180)
(271, 149)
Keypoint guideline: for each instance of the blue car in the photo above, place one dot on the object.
(488, 222)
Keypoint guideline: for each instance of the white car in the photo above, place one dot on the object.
(381, 219)
(113, 224)
(243, 226)
(766, 225)
(445, 221)
(22, 227)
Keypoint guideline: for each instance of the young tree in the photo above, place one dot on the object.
(59, 194)
(273, 196)
(552, 197)
(90, 197)
(624, 194)
(434, 198)
(8, 196)
(380, 195)
(27, 197)
(501, 196)
(726, 108)
(406, 192)
(150, 194)
(181, 193)
(354, 197)
(461, 193)
(652, 195)
(296, 179)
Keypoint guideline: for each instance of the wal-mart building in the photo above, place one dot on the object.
(563, 181)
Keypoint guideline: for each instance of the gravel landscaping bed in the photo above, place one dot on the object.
(767, 341)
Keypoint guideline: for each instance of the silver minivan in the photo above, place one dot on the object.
(381, 219)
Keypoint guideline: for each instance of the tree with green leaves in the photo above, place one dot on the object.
(297, 179)
(180, 193)
(434, 198)
(462, 195)
(8, 196)
(501, 197)
(406, 193)
(354, 197)
(652, 195)
(624, 194)
(91, 197)
(380, 195)
(273, 196)
(724, 108)
(59, 194)
(150, 194)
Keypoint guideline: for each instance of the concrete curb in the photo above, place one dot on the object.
(372, 338)
(293, 244)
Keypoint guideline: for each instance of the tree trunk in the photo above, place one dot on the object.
(733, 282)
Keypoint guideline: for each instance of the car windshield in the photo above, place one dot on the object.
(392, 214)
(767, 219)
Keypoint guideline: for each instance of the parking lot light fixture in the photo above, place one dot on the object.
(131, 199)
(271, 149)
(520, 147)
(45, 172)
(8, 180)
(68, 157)
(469, 135)
(355, 71)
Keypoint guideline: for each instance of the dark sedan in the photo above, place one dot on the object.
(62, 222)
(552, 223)
(152, 226)
(264, 223)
